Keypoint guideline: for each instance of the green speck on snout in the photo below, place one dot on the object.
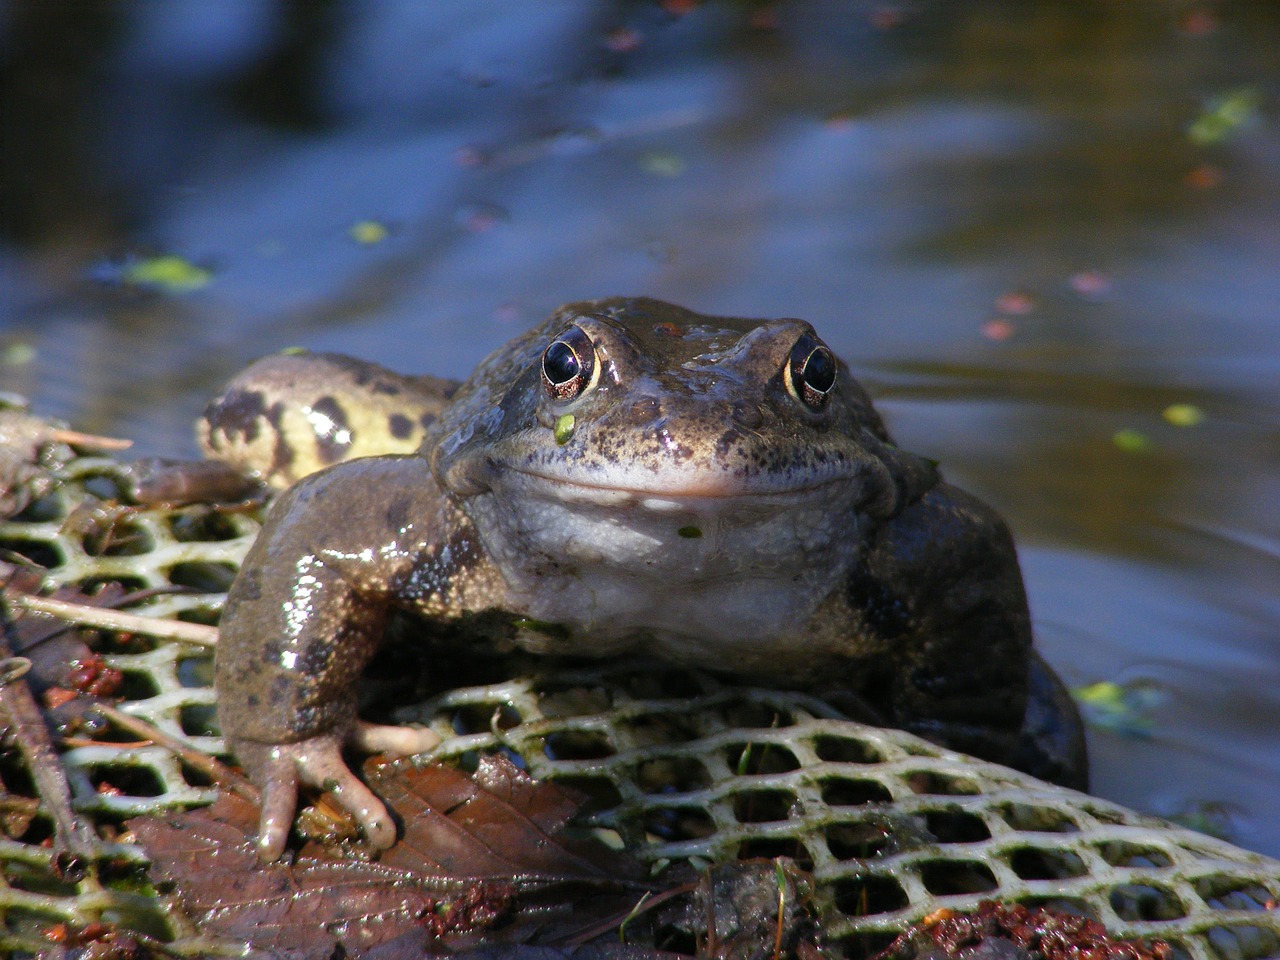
(563, 429)
(690, 532)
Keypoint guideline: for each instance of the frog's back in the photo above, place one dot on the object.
(293, 413)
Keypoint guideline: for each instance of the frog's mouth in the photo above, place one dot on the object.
(621, 552)
(688, 494)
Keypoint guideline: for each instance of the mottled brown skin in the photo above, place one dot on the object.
(690, 493)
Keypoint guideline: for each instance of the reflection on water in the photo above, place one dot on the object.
(1032, 227)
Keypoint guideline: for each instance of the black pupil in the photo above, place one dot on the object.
(560, 363)
(819, 370)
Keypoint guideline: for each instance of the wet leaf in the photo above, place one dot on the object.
(471, 845)
(1183, 414)
(1224, 115)
(1132, 441)
(497, 824)
(168, 272)
(17, 354)
(311, 903)
(369, 232)
(1124, 709)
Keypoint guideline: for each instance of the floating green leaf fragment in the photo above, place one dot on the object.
(1224, 115)
(1104, 694)
(1183, 414)
(1132, 441)
(563, 429)
(369, 232)
(168, 272)
(17, 354)
(690, 532)
(1122, 709)
(661, 163)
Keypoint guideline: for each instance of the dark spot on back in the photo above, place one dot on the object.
(427, 419)
(335, 440)
(401, 426)
(316, 659)
(282, 454)
(386, 388)
(238, 412)
(398, 513)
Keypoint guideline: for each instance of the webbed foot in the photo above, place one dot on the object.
(279, 769)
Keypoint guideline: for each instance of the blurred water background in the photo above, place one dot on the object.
(1046, 233)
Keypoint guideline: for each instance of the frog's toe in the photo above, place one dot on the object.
(319, 763)
(397, 741)
(280, 768)
(279, 803)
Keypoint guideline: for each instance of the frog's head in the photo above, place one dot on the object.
(626, 426)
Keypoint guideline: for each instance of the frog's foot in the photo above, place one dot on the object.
(397, 741)
(317, 761)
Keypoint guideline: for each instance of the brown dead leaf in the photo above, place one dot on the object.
(310, 905)
(471, 847)
(497, 824)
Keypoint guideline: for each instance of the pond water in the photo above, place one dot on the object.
(1045, 234)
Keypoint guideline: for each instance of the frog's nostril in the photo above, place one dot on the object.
(747, 414)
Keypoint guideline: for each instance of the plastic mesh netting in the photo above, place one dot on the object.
(679, 766)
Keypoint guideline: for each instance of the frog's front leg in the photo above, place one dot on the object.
(941, 586)
(302, 620)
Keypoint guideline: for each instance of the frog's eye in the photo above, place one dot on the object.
(810, 374)
(569, 365)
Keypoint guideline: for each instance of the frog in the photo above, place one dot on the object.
(629, 477)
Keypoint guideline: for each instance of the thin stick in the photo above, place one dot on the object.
(75, 844)
(214, 769)
(105, 619)
(91, 440)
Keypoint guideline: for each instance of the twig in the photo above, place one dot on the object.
(75, 844)
(781, 878)
(91, 441)
(214, 769)
(105, 619)
(646, 903)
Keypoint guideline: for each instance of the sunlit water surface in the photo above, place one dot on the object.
(1032, 228)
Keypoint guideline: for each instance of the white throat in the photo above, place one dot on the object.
(705, 579)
